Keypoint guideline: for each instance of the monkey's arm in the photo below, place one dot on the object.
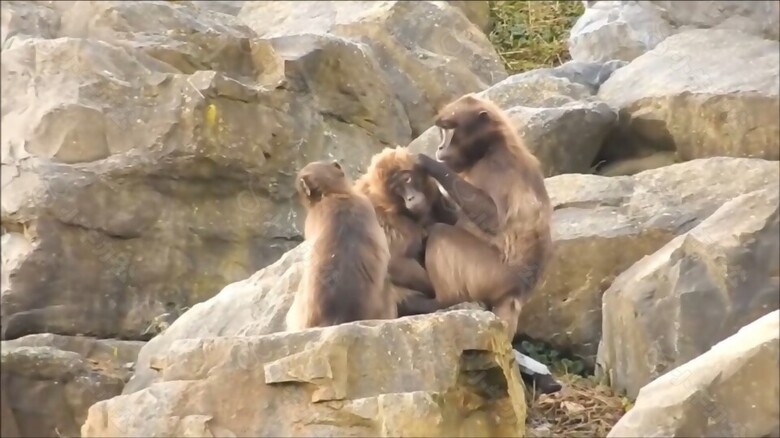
(408, 273)
(445, 211)
(475, 203)
(418, 304)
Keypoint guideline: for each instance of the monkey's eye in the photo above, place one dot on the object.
(408, 179)
(447, 124)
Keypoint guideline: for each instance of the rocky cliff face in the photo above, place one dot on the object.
(148, 151)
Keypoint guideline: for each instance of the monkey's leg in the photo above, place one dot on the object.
(410, 274)
(508, 310)
(463, 268)
(411, 302)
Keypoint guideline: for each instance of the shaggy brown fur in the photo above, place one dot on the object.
(345, 273)
(406, 200)
(502, 243)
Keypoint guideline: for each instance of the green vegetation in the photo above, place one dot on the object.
(532, 34)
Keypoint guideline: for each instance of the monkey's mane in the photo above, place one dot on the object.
(382, 166)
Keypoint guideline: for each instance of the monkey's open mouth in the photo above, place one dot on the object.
(446, 138)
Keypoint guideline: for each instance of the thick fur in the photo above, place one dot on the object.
(502, 243)
(392, 174)
(346, 270)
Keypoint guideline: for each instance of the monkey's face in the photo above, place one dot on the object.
(408, 188)
(321, 178)
(464, 127)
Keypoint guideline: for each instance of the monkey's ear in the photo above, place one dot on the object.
(304, 183)
(336, 164)
(483, 116)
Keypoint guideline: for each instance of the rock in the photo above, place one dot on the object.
(701, 93)
(108, 353)
(429, 51)
(589, 74)
(758, 17)
(617, 30)
(49, 382)
(355, 379)
(559, 120)
(478, 12)
(26, 19)
(627, 29)
(603, 225)
(731, 390)
(697, 290)
(148, 163)
(254, 306)
(633, 166)
(223, 6)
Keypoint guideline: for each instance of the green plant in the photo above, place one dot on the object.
(532, 34)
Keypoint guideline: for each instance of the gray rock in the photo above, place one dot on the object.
(695, 291)
(49, 381)
(589, 74)
(701, 93)
(731, 390)
(603, 225)
(478, 12)
(430, 52)
(627, 29)
(559, 121)
(758, 17)
(617, 30)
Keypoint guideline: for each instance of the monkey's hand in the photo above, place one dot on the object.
(423, 161)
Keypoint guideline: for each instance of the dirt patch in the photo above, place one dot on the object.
(582, 408)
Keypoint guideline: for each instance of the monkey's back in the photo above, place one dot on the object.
(349, 265)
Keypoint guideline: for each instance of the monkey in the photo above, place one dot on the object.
(345, 274)
(501, 243)
(406, 201)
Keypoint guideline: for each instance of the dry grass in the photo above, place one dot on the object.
(582, 408)
(532, 34)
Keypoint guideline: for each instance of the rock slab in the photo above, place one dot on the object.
(358, 379)
(731, 390)
(697, 290)
(49, 381)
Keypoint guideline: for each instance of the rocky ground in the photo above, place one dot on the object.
(151, 239)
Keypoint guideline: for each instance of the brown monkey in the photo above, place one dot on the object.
(406, 200)
(344, 276)
(502, 242)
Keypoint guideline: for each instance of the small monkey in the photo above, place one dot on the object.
(406, 201)
(345, 275)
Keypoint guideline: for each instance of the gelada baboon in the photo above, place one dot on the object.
(344, 276)
(501, 245)
(406, 201)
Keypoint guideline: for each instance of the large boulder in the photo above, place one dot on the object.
(731, 390)
(49, 382)
(697, 290)
(701, 93)
(625, 30)
(254, 306)
(603, 225)
(148, 162)
(429, 51)
(559, 120)
(758, 17)
(443, 375)
(613, 30)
